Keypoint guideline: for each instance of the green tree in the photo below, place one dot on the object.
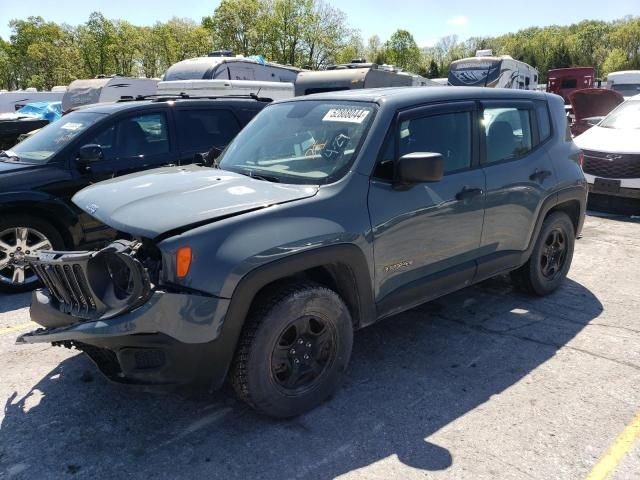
(432, 70)
(288, 22)
(616, 60)
(95, 39)
(179, 39)
(374, 46)
(41, 54)
(124, 47)
(7, 78)
(327, 39)
(238, 25)
(402, 50)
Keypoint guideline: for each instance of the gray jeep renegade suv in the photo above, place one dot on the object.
(325, 214)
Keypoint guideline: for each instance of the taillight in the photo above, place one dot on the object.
(580, 159)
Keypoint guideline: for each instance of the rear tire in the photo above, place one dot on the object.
(23, 235)
(294, 350)
(551, 258)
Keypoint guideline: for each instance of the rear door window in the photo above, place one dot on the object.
(142, 135)
(508, 133)
(199, 130)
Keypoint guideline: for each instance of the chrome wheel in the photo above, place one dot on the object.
(15, 244)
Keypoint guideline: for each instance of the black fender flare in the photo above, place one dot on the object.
(557, 199)
(224, 347)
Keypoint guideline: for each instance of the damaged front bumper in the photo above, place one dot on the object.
(159, 337)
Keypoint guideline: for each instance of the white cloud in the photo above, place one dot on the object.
(458, 20)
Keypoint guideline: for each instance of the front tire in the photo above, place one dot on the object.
(294, 350)
(551, 257)
(19, 236)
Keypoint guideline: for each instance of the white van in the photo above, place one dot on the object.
(12, 101)
(106, 89)
(222, 88)
(625, 82)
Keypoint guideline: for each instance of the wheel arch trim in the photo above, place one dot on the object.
(254, 281)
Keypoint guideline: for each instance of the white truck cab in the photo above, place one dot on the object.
(625, 82)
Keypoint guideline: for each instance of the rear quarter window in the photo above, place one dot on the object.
(201, 129)
(544, 121)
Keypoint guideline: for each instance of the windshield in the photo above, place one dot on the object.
(305, 142)
(626, 89)
(626, 116)
(42, 145)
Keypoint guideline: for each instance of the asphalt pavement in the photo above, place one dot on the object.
(486, 383)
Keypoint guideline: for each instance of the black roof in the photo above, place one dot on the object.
(168, 100)
(401, 97)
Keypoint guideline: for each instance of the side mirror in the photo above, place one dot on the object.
(90, 153)
(419, 167)
(209, 158)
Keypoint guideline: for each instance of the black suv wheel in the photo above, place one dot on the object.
(20, 236)
(551, 257)
(294, 350)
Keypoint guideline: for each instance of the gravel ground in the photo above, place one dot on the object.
(482, 384)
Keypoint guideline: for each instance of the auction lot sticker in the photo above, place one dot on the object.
(348, 115)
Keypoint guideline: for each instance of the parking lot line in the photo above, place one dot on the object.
(618, 449)
(16, 328)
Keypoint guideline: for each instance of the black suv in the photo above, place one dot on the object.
(326, 214)
(39, 176)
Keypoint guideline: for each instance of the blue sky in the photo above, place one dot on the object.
(426, 20)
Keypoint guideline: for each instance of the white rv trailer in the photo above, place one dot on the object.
(355, 75)
(106, 89)
(219, 88)
(223, 65)
(486, 70)
(625, 82)
(12, 101)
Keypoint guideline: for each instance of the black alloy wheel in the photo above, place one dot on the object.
(294, 349)
(551, 257)
(553, 254)
(304, 351)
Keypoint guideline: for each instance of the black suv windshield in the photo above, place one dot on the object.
(305, 142)
(626, 116)
(42, 145)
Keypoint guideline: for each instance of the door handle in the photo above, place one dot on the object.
(468, 193)
(539, 175)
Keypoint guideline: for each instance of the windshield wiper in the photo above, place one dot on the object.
(259, 176)
(10, 156)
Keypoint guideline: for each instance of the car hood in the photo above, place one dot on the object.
(594, 102)
(9, 166)
(609, 140)
(150, 203)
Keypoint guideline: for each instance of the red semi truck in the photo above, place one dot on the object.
(564, 81)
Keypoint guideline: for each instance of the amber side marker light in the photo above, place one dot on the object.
(183, 261)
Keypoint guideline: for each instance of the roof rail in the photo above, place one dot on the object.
(166, 97)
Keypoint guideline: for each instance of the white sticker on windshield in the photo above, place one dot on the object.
(349, 115)
(72, 126)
